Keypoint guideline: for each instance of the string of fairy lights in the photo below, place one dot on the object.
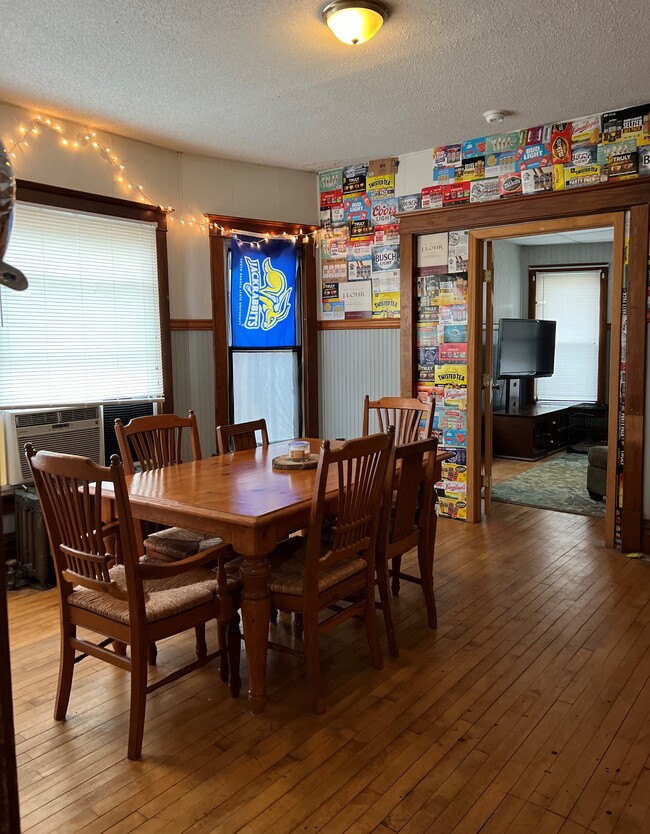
(87, 138)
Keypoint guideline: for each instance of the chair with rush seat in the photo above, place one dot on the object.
(238, 437)
(408, 521)
(129, 601)
(405, 413)
(309, 576)
(156, 442)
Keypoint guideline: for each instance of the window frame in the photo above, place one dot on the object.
(219, 238)
(602, 319)
(81, 201)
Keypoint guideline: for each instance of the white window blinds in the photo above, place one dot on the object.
(87, 329)
(572, 299)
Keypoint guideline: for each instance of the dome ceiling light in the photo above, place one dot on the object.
(355, 22)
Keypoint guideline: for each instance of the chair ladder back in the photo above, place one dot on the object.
(156, 441)
(404, 413)
(238, 437)
(360, 472)
(70, 492)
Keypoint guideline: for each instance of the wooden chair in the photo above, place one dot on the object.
(132, 603)
(309, 575)
(404, 413)
(408, 521)
(156, 443)
(241, 436)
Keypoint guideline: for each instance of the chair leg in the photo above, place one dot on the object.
(426, 575)
(312, 657)
(224, 666)
(201, 645)
(233, 646)
(397, 567)
(153, 654)
(384, 596)
(372, 631)
(66, 668)
(138, 700)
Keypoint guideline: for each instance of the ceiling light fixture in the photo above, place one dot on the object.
(355, 22)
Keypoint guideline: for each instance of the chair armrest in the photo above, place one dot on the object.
(207, 558)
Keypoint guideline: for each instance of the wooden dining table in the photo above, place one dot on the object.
(242, 499)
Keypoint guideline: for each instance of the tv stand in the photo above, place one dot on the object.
(531, 432)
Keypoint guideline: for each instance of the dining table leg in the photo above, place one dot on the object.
(256, 611)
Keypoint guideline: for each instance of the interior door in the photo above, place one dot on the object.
(488, 376)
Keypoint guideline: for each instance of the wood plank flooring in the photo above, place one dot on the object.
(528, 710)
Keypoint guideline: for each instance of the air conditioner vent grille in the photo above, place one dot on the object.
(55, 415)
(68, 415)
(83, 441)
(37, 418)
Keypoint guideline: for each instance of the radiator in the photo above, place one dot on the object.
(33, 563)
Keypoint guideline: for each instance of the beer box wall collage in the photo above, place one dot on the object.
(442, 357)
(360, 248)
(360, 251)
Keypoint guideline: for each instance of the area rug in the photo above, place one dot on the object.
(559, 484)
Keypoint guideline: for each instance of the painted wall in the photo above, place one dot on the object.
(194, 185)
(353, 363)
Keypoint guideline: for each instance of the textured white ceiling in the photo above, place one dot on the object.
(267, 82)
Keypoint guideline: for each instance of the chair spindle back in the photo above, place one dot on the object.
(360, 468)
(156, 440)
(238, 437)
(405, 413)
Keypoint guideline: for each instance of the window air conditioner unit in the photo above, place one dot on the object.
(73, 430)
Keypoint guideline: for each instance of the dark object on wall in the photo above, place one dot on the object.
(526, 348)
(33, 563)
(9, 820)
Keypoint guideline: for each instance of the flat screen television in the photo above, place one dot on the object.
(526, 348)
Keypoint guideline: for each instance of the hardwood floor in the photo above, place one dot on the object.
(528, 710)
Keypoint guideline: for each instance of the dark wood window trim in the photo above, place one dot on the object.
(51, 195)
(360, 324)
(219, 235)
(602, 318)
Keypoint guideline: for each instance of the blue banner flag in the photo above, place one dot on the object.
(263, 293)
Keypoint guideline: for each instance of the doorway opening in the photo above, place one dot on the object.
(550, 313)
(550, 339)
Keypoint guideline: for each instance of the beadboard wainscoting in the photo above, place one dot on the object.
(353, 363)
(193, 373)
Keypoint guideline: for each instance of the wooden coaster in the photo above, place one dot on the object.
(284, 462)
